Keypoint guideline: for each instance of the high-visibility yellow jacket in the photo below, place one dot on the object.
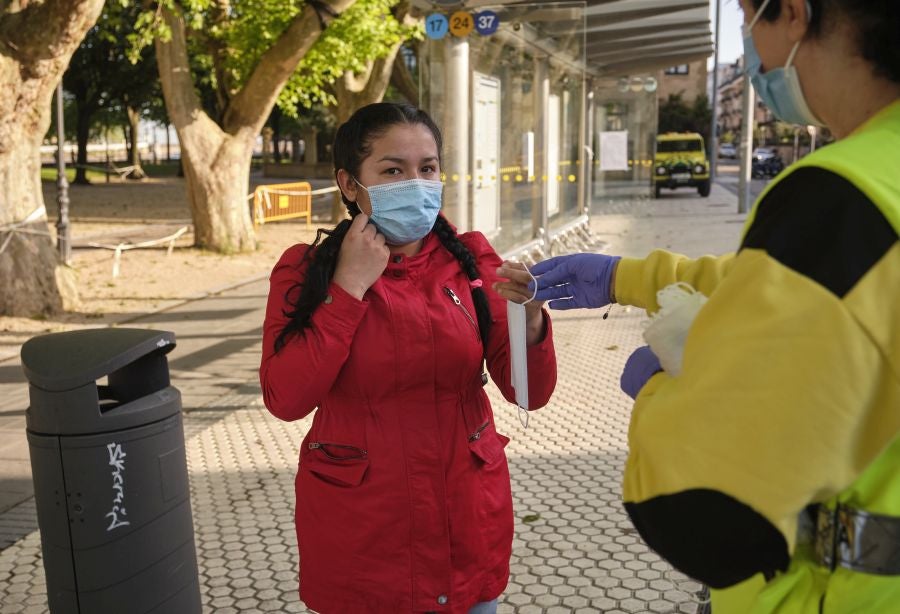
(790, 388)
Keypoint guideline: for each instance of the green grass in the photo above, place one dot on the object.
(49, 174)
(165, 169)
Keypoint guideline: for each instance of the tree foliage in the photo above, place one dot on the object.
(227, 40)
(107, 83)
(675, 115)
(367, 31)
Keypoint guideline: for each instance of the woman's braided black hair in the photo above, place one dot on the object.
(352, 144)
(876, 22)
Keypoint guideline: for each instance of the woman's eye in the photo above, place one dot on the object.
(429, 169)
(393, 172)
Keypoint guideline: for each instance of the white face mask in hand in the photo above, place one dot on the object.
(518, 351)
(667, 330)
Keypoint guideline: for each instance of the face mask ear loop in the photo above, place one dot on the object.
(533, 294)
(793, 53)
(360, 185)
(759, 13)
(523, 417)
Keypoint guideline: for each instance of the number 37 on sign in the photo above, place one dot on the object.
(486, 22)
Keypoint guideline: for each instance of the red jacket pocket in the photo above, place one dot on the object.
(338, 472)
(487, 444)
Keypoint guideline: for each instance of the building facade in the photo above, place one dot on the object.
(687, 80)
(730, 110)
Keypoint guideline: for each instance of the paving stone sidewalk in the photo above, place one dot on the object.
(575, 549)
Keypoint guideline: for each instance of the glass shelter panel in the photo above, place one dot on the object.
(510, 104)
(627, 106)
(569, 91)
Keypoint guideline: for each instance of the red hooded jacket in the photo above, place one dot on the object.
(403, 490)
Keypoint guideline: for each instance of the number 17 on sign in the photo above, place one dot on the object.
(436, 26)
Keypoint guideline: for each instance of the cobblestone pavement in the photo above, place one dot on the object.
(575, 549)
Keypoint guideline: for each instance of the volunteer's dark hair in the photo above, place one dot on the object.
(352, 144)
(877, 24)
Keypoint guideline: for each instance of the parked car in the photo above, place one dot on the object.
(727, 150)
(764, 153)
(680, 161)
(765, 163)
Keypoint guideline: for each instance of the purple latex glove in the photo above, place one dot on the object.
(576, 280)
(640, 367)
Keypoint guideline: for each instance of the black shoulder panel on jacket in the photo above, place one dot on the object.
(822, 226)
(710, 536)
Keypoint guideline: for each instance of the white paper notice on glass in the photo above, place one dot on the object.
(515, 317)
(614, 151)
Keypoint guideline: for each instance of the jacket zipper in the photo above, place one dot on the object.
(323, 446)
(477, 434)
(459, 304)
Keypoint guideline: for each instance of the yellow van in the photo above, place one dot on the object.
(680, 161)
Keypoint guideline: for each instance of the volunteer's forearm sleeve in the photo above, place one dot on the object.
(639, 279)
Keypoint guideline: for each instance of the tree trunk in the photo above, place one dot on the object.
(275, 120)
(32, 279)
(217, 187)
(311, 146)
(295, 148)
(403, 80)
(216, 164)
(37, 41)
(134, 152)
(83, 130)
(353, 91)
(217, 159)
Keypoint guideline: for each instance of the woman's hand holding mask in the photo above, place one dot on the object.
(516, 289)
(363, 257)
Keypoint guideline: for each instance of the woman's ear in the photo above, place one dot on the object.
(347, 185)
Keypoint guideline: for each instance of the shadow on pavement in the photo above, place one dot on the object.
(12, 374)
(226, 347)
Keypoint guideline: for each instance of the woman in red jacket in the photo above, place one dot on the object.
(403, 491)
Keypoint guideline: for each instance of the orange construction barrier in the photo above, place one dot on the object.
(282, 201)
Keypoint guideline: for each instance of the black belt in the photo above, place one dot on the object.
(856, 540)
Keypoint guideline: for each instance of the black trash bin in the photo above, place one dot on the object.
(110, 474)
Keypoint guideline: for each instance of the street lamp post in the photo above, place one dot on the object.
(63, 242)
(748, 104)
(714, 131)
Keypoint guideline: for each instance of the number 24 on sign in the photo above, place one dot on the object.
(461, 23)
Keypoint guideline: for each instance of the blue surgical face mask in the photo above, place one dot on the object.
(404, 211)
(779, 88)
